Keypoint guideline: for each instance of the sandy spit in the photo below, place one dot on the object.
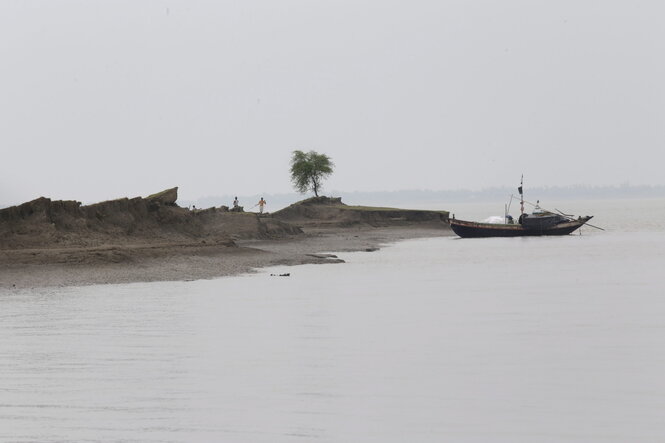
(194, 262)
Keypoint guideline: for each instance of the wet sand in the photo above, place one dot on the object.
(145, 263)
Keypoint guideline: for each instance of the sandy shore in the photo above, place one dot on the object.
(193, 262)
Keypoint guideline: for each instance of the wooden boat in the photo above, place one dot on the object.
(541, 225)
(539, 222)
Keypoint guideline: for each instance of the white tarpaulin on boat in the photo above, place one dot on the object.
(495, 219)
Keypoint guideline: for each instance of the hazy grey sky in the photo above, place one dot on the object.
(102, 99)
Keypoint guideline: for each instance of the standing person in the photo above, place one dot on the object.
(235, 202)
(261, 204)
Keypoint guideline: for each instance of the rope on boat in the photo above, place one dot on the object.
(512, 196)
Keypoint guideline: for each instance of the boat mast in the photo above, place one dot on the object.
(521, 195)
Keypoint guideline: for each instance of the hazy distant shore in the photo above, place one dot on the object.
(434, 199)
(193, 262)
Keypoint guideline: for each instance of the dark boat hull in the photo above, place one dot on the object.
(467, 229)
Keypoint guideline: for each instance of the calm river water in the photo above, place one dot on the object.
(435, 340)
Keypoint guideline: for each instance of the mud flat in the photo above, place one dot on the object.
(54, 243)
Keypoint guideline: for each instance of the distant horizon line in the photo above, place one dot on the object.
(424, 195)
(569, 191)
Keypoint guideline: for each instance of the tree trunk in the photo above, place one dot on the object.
(315, 187)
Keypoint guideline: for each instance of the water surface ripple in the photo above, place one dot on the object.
(497, 340)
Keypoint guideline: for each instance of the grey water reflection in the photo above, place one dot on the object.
(434, 340)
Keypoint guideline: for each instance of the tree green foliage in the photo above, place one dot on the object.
(308, 169)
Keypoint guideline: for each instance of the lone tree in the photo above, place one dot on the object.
(308, 169)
